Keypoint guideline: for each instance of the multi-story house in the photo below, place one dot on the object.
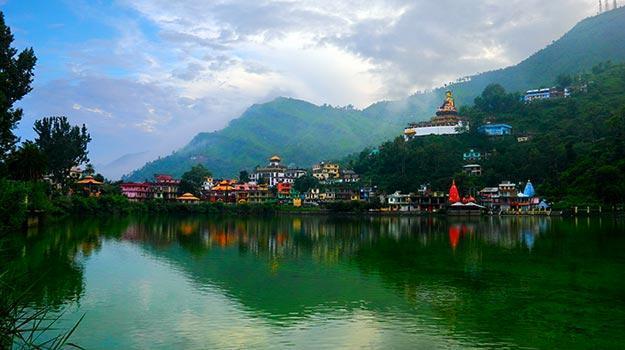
(165, 187)
(275, 173)
(259, 194)
(472, 169)
(399, 202)
(326, 171)
(136, 191)
(349, 176)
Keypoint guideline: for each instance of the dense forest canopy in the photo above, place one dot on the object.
(575, 153)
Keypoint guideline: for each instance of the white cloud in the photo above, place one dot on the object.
(176, 68)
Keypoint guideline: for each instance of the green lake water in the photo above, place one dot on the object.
(331, 282)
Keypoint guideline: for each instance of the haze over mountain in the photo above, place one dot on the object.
(304, 133)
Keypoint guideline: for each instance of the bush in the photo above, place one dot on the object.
(13, 204)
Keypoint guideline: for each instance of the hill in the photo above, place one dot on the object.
(575, 155)
(304, 133)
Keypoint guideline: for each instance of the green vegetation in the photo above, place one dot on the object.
(576, 152)
(193, 179)
(63, 145)
(16, 75)
(303, 133)
(305, 183)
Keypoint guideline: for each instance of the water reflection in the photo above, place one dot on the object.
(479, 282)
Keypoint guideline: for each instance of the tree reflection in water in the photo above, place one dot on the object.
(497, 279)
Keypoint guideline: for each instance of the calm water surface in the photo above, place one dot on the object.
(323, 282)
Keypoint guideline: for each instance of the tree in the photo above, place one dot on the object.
(304, 183)
(16, 75)
(244, 176)
(193, 179)
(564, 81)
(89, 170)
(495, 99)
(28, 163)
(63, 145)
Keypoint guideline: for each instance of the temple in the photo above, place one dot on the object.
(463, 206)
(446, 122)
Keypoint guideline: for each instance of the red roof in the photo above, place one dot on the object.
(454, 196)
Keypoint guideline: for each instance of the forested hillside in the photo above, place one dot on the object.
(304, 133)
(576, 153)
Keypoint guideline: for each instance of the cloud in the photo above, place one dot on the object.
(171, 69)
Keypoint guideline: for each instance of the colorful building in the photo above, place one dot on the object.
(507, 197)
(188, 198)
(137, 191)
(326, 171)
(165, 187)
(472, 156)
(223, 193)
(89, 186)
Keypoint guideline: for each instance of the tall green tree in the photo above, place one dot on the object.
(27, 163)
(89, 170)
(495, 99)
(63, 145)
(16, 75)
(244, 176)
(305, 183)
(193, 179)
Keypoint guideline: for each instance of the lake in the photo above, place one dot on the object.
(315, 282)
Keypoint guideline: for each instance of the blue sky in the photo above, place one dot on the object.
(147, 75)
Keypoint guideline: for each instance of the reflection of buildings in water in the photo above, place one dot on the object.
(510, 232)
(329, 239)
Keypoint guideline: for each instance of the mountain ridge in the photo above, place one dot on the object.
(304, 133)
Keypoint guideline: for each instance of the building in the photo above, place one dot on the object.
(465, 206)
(545, 94)
(188, 198)
(88, 186)
(136, 191)
(259, 194)
(399, 202)
(165, 187)
(312, 196)
(275, 172)
(506, 197)
(349, 176)
(223, 192)
(472, 156)
(495, 129)
(291, 174)
(488, 196)
(472, 169)
(446, 122)
(428, 201)
(326, 171)
(208, 183)
(284, 190)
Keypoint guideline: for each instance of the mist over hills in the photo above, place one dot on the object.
(304, 133)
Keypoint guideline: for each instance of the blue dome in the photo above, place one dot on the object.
(529, 189)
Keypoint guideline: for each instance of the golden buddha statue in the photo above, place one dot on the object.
(449, 106)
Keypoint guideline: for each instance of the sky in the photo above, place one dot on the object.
(145, 76)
